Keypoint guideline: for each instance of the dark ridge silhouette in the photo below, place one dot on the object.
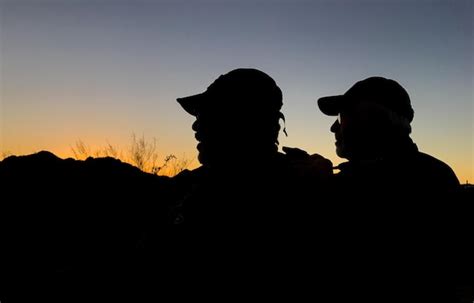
(64, 221)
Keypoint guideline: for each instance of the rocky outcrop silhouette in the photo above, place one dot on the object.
(65, 219)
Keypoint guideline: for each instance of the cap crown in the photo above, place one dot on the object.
(382, 91)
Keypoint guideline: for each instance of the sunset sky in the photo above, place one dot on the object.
(99, 71)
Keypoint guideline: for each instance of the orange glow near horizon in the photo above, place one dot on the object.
(464, 172)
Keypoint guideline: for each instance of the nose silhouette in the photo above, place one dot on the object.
(335, 126)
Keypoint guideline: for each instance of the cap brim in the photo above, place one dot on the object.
(192, 104)
(331, 105)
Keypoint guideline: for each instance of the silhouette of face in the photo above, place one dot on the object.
(226, 137)
(359, 131)
(216, 136)
(341, 129)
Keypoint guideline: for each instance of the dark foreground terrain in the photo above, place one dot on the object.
(89, 230)
(70, 223)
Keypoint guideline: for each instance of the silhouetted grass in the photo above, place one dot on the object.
(141, 152)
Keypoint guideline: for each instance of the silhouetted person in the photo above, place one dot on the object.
(373, 132)
(242, 214)
(243, 177)
(392, 190)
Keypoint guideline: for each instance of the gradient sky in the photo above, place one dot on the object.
(100, 70)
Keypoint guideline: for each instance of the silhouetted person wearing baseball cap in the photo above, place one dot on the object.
(242, 103)
(242, 173)
(234, 214)
(373, 132)
(394, 189)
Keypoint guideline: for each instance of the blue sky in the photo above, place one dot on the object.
(100, 70)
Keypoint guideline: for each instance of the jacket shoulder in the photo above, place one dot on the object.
(437, 170)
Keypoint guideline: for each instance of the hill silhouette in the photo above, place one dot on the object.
(64, 218)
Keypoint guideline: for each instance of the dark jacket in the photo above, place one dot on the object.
(399, 213)
(403, 171)
(264, 192)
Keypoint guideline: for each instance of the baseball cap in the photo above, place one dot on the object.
(246, 88)
(385, 92)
